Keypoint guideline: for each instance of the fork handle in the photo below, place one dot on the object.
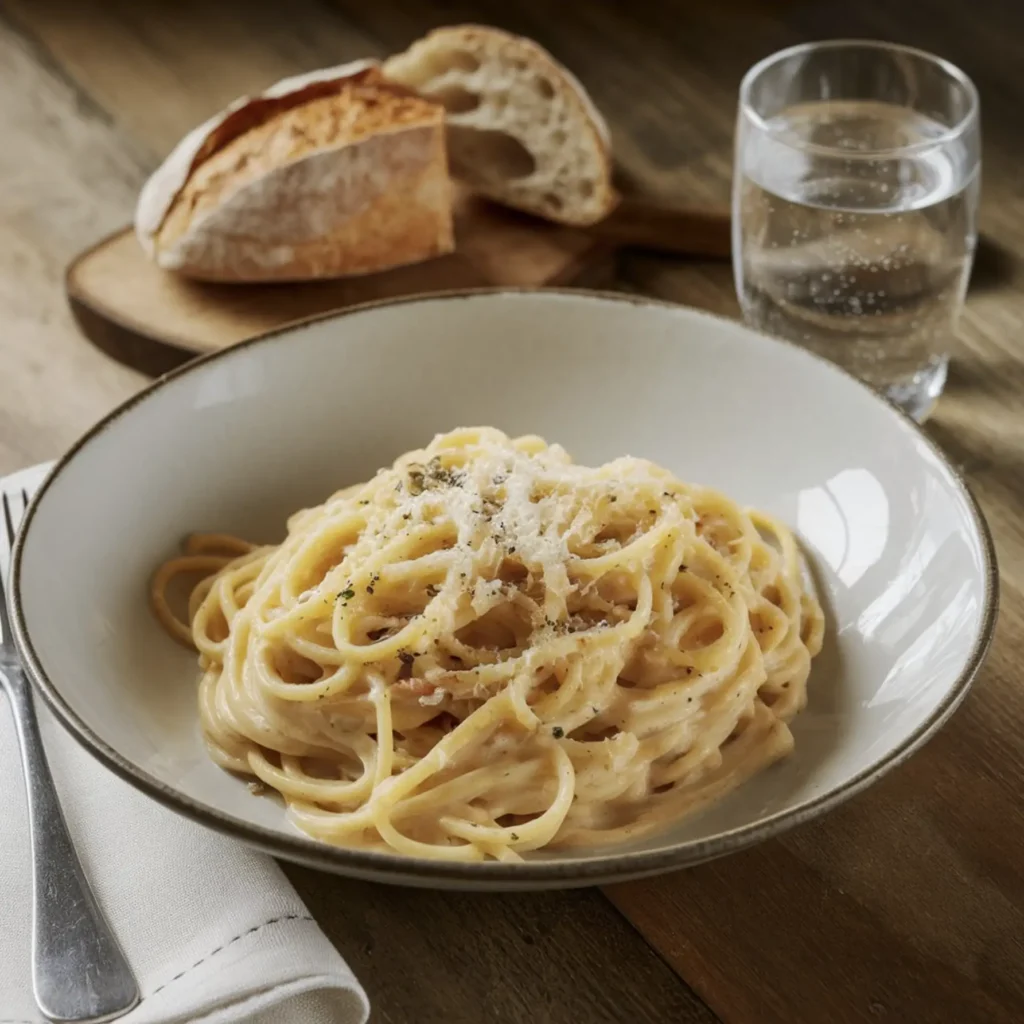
(78, 970)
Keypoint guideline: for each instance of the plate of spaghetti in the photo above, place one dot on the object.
(504, 589)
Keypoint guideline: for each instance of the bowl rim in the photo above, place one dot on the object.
(594, 869)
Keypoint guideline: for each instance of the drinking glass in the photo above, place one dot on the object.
(855, 201)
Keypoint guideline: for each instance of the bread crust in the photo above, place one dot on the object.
(530, 56)
(329, 174)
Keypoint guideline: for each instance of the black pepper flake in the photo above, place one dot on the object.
(347, 594)
(438, 475)
(416, 481)
(365, 501)
(406, 658)
(682, 567)
(612, 497)
(558, 732)
(514, 837)
(408, 515)
(512, 549)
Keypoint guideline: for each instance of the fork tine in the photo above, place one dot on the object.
(5, 623)
(8, 520)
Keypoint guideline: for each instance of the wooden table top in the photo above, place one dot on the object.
(905, 905)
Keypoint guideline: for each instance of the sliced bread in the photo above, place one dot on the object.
(333, 173)
(521, 128)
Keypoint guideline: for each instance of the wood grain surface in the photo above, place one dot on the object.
(154, 320)
(906, 905)
(437, 957)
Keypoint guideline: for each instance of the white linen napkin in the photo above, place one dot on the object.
(212, 929)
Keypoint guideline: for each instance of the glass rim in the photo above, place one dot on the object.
(951, 134)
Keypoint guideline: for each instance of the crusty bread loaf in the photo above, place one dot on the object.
(521, 128)
(334, 173)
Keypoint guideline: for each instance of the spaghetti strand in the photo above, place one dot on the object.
(488, 650)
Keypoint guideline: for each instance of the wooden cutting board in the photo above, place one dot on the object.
(154, 320)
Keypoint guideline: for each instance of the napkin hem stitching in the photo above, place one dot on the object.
(213, 952)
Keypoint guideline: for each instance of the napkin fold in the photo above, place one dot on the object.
(213, 930)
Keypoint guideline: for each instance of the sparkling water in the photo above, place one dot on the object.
(862, 259)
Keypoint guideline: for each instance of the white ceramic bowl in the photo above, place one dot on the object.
(902, 556)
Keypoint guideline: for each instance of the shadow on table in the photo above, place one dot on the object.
(994, 266)
(990, 463)
(994, 377)
(433, 956)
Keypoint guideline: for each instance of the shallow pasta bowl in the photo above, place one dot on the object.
(901, 556)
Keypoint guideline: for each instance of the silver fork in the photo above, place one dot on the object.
(78, 970)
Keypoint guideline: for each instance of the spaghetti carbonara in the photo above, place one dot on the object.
(487, 650)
